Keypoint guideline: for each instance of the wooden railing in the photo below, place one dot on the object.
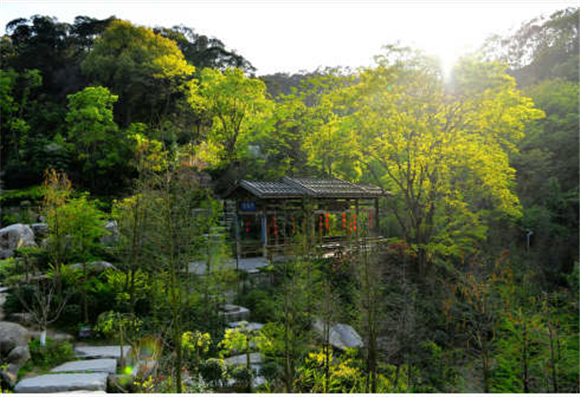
(329, 246)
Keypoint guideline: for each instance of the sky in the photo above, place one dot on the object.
(295, 35)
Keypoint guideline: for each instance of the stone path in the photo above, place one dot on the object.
(56, 383)
(108, 365)
(99, 352)
(88, 375)
(233, 313)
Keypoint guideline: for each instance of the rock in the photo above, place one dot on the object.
(9, 375)
(54, 383)
(342, 336)
(249, 326)
(113, 233)
(108, 365)
(40, 230)
(12, 335)
(94, 267)
(13, 237)
(240, 359)
(19, 355)
(235, 313)
(3, 295)
(14, 347)
(102, 352)
(22, 318)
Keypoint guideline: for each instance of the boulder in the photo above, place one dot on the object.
(15, 359)
(40, 230)
(94, 267)
(108, 365)
(342, 336)
(13, 237)
(12, 335)
(55, 383)
(22, 318)
(9, 375)
(19, 355)
(113, 233)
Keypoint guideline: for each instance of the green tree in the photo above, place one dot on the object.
(133, 62)
(15, 95)
(239, 111)
(85, 227)
(442, 151)
(57, 192)
(369, 304)
(542, 48)
(100, 146)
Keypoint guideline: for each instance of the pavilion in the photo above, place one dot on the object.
(331, 213)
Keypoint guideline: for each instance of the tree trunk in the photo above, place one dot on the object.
(484, 364)
(43, 337)
(121, 341)
(85, 302)
(525, 357)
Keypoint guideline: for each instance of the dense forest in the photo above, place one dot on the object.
(474, 289)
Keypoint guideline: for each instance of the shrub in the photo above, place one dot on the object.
(213, 371)
(260, 303)
(243, 376)
(271, 371)
(51, 355)
(13, 304)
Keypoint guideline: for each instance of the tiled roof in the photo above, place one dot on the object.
(310, 187)
(271, 189)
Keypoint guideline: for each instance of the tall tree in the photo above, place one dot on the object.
(133, 62)
(100, 147)
(203, 51)
(239, 111)
(442, 151)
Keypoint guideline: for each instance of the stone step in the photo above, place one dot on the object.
(233, 313)
(55, 383)
(108, 365)
(240, 359)
(254, 327)
(102, 352)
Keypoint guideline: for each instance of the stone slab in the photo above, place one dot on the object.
(234, 313)
(240, 359)
(102, 352)
(249, 326)
(108, 365)
(54, 383)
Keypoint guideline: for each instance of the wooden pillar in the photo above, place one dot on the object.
(357, 225)
(265, 231)
(377, 218)
(238, 237)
